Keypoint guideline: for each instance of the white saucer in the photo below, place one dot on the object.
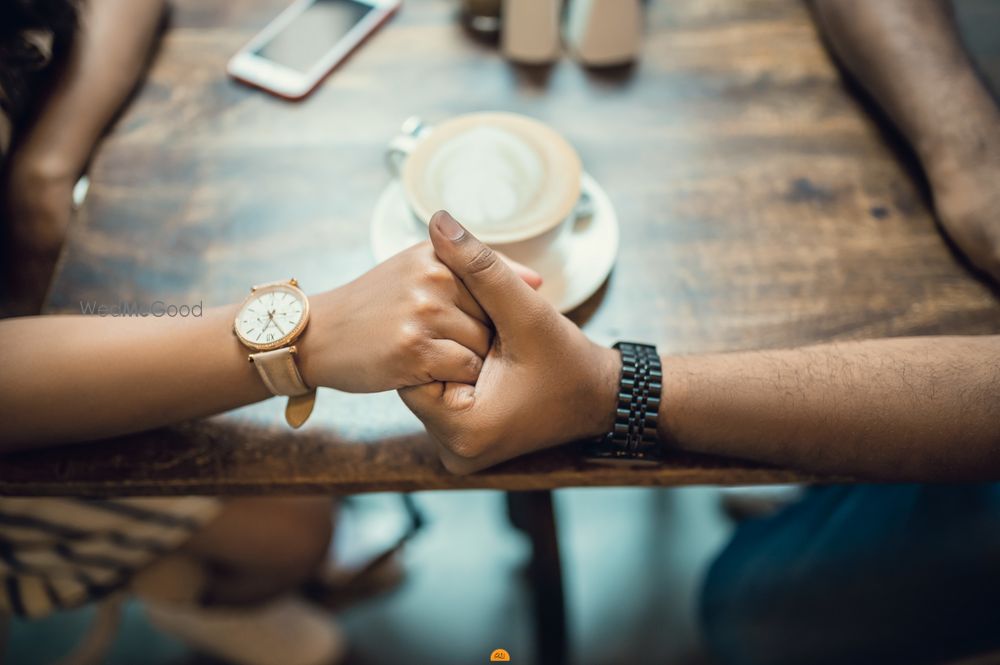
(589, 248)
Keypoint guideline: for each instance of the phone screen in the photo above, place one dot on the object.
(311, 34)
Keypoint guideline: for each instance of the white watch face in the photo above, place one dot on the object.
(272, 316)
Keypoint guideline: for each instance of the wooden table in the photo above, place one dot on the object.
(760, 206)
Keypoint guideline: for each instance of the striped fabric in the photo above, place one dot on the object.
(63, 553)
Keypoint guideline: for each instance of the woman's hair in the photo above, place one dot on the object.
(32, 34)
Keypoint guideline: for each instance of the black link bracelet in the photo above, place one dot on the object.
(633, 437)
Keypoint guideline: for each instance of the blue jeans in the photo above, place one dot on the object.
(860, 574)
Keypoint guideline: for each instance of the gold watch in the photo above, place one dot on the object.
(268, 323)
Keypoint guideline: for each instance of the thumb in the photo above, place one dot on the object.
(530, 277)
(435, 402)
(423, 400)
(495, 286)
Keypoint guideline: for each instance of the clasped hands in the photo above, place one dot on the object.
(490, 367)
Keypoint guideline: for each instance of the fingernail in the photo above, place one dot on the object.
(447, 225)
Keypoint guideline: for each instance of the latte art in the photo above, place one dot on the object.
(485, 177)
(507, 177)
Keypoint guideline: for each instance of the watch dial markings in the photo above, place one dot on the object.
(270, 316)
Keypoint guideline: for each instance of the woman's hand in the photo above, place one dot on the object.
(37, 206)
(106, 58)
(407, 322)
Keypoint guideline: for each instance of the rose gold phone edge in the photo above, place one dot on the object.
(250, 69)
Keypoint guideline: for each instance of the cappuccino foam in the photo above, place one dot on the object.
(486, 176)
(505, 176)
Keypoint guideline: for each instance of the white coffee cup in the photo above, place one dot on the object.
(513, 181)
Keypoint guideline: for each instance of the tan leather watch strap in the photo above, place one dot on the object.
(298, 408)
(280, 374)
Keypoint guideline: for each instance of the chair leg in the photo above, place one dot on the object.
(533, 513)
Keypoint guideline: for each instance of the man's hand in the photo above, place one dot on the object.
(542, 383)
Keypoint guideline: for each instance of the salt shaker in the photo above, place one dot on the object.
(530, 30)
(603, 33)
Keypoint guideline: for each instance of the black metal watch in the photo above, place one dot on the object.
(633, 437)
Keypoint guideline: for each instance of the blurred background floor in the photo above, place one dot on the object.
(633, 560)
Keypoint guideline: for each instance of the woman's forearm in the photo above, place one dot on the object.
(894, 409)
(106, 60)
(406, 322)
(74, 378)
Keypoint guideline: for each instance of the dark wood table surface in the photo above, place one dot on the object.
(760, 207)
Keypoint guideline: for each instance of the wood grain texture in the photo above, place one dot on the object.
(760, 206)
(223, 458)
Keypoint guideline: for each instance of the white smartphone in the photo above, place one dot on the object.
(306, 42)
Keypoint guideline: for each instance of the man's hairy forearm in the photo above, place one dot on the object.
(74, 378)
(907, 54)
(894, 409)
(104, 64)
